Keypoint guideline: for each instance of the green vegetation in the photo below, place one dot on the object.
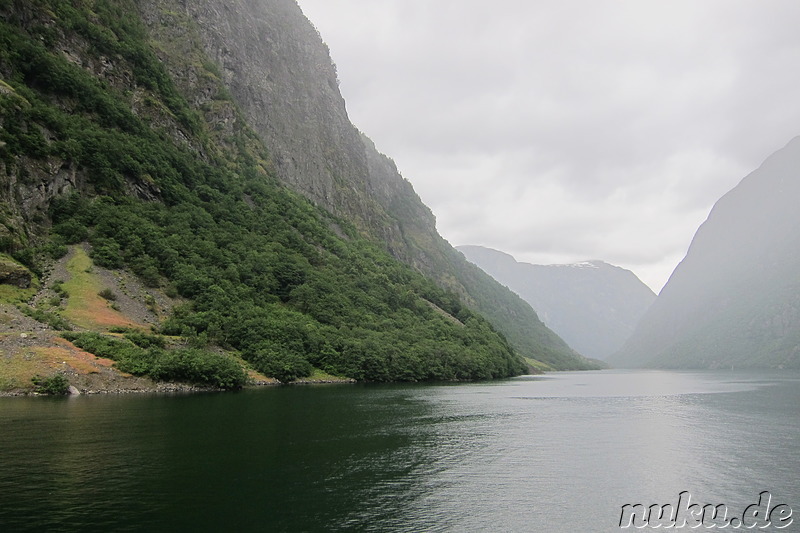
(538, 366)
(145, 340)
(53, 320)
(13, 295)
(56, 385)
(86, 306)
(107, 294)
(58, 287)
(261, 269)
(183, 365)
(289, 301)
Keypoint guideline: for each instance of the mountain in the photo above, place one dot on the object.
(592, 305)
(279, 73)
(205, 148)
(734, 300)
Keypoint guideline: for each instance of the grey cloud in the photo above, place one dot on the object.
(570, 130)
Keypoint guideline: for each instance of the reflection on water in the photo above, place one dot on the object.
(561, 452)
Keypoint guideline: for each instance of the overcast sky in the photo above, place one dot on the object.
(565, 130)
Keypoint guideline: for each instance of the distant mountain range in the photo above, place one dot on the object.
(592, 305)
(734, 301)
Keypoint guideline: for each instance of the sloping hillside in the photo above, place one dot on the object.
(276, 69)
(104, 147)
(734, 301)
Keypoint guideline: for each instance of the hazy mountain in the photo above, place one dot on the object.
(592, 305)
(734, 300)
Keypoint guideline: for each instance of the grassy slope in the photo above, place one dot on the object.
(85, 307)
(29, 348)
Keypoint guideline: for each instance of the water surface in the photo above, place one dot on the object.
(561, 452)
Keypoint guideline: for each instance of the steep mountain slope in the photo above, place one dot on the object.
(734, 301)
(280, 74)
(119, 133)
(593, 306)
(100, 148)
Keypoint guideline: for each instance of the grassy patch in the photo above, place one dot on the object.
(538, 366)
(85, 307)
(11, 294)
(17, 368)
(19, 365)
(254, 376)
(320, 375)
(53, 320)
(7, 89)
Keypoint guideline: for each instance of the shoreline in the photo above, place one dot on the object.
(171, 388)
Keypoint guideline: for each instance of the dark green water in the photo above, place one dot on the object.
(557, 453)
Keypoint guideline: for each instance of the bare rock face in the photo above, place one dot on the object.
(25, 195)
(45, 181)
(282, 77)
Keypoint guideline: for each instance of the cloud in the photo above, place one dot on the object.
(563, 131)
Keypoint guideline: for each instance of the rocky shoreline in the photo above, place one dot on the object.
(175, 388)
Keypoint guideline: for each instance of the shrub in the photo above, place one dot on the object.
(55, 250)
(145, 340)
(102, 345)
(106, 253)
(199, 367)
(51, 319)
(188, 366)
(58, 288)
(108, 294)
(72, 231)
(283, 365)
(56, 385)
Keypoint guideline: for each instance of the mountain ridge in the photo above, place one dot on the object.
(592, 305)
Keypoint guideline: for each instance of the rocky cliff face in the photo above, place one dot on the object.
(29, 184)
(593, 306)
(734, 301)
(281, 76)
(281, 79)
